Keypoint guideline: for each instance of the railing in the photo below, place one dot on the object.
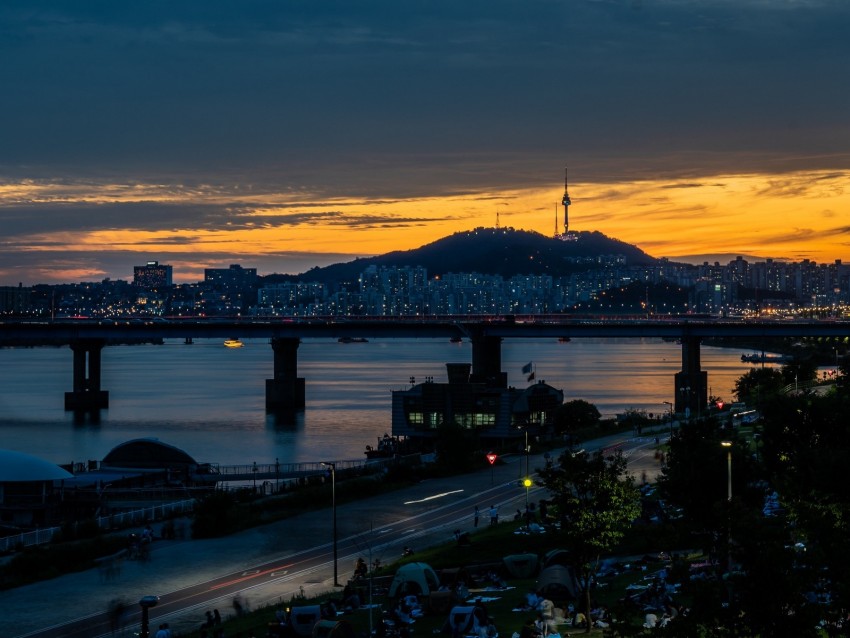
(225, 472)
(113, 521)
(797, 386)
(285, 470)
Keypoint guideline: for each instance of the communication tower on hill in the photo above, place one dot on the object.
(566, 201)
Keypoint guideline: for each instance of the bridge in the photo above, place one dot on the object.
(286, 390)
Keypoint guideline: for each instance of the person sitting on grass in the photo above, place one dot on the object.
(532, 600)
(462, 538)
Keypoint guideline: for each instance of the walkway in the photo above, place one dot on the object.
(178, 564)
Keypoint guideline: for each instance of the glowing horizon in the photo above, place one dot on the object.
(793, 216)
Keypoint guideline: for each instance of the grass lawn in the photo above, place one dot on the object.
(489, 545)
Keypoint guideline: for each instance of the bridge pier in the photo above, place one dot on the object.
(691, 389)
(286, 391)
(487, 361)
(87, 394)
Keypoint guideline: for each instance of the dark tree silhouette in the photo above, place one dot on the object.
(596, 503)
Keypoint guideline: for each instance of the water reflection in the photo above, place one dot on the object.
(210, 400)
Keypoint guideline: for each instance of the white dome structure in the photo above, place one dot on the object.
(30, 493)
(17, 467)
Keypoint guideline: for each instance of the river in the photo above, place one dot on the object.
(210, 400)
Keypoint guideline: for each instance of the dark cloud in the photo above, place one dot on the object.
(43, 217)
(32, 267)
(675, 186)
(792, 235)
(227, 102)
(222, 85)
(24, 224)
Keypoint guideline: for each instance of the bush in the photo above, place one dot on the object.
(48, 561)
(216, 515)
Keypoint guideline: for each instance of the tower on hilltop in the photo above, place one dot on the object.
(566, 201)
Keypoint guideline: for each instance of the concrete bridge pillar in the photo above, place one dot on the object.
(286, 391)
(487, 362)
(87, 394)
(691, 389)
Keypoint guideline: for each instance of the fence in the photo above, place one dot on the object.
(113, 521)
(246, 473)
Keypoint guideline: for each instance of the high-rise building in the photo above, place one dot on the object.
(152, 275)
(233, 278)
(14, 299)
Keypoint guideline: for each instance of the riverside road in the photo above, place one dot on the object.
(271, 564)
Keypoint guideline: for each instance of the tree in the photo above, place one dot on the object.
(806, 444)
(800, 370)
(758, 384)
(575, 415)
(694, 475)
(454, 446)
(843, 380)
(596, 503)
(635, 419)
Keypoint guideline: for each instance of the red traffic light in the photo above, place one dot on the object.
(491, 457)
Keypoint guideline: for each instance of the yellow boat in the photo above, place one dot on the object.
(233, 343)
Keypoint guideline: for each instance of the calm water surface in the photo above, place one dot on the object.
(210, 400)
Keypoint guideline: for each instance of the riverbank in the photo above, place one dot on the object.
(179, 564)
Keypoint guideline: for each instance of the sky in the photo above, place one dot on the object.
(288, 134)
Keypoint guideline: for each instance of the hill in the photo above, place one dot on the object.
(492, 251)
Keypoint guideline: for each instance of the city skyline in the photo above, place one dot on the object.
(288, 135)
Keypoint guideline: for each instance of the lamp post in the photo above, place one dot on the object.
(526, 452)
(728, 446)
(146, 603)
(527, 482)
(332, 465)
(524, 428)
(670, 404)
(255, 469)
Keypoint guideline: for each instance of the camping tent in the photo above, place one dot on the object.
(521, 565)
(333, 629)
(557, 581)
(303, 619)
(556, 557)
(414, 578)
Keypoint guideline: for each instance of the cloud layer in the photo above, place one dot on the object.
(180, 123)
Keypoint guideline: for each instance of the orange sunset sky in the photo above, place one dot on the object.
(289, 135)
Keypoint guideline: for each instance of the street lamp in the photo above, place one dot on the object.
(728, 446)
(146, 603)
(670, 403)
(527, 482)
(332, 465)
(526, 452)
(255, 469)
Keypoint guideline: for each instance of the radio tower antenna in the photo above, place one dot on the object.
(566, 201)
(556, 221)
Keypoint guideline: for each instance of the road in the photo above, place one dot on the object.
(273, 564)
